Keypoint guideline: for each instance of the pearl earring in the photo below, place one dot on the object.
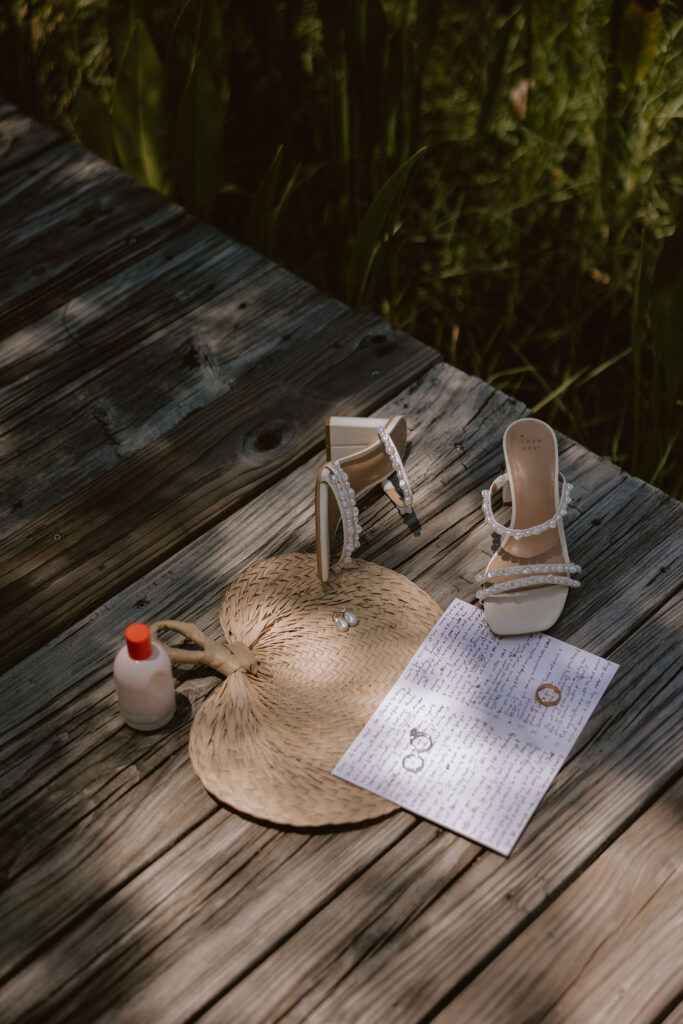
(340, 622)
(343, 619)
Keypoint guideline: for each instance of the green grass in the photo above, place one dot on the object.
(382, 151)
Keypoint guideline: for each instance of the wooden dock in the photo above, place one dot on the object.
(164, 391)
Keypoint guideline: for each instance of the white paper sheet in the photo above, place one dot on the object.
(461, 739)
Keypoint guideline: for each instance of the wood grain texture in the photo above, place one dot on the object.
(190, 473)
(608, 949)
(98, 385)
(21, 139)
(393, 957)
(59, 237)
(99, 817)
(155, 375)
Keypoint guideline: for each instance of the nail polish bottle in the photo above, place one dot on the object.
(144, 681)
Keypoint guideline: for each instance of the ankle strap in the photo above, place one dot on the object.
(507, 531)
(404, 503)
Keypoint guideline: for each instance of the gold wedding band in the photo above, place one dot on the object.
(548, 703)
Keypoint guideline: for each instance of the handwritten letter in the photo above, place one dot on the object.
(461, 738)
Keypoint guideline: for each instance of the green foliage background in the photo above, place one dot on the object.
(502, 180)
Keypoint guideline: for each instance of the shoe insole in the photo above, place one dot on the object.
(531, 458)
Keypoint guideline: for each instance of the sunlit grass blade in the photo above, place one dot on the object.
(665, 458)
(139, 120)
(559, 391)
(380, 220)
(605, 365)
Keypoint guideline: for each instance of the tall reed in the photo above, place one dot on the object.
(503, 180)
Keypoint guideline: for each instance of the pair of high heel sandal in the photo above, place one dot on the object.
(525, 584)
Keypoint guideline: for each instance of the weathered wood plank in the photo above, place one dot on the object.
(46, 190)
(21, 139)
(281, 521)
(174, 485)
(393, 957)
(161, 287)
(607, 950)
(114, 388)
(79, 251)
(212, 563)
(171, 899)
(70, 220)
(444, 475)
(134, 319)
(374, 909)
(284, 517)
(66, 735)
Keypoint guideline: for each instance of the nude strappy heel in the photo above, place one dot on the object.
(361, 452)
(527, 580)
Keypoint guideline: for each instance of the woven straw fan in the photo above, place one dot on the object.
(297, 691)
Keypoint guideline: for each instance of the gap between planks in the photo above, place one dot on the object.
(133, 514)
(373, 914)
(389, 956)
(442, 374)
(22, 138)
(89, 426)
(606, 950)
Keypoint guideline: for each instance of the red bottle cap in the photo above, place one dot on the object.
(139, 641)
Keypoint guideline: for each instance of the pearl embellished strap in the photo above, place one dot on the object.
(508, 531)
(531, 575)
(528, 581)
(527, 570)
(338, 480)
(390, 448)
